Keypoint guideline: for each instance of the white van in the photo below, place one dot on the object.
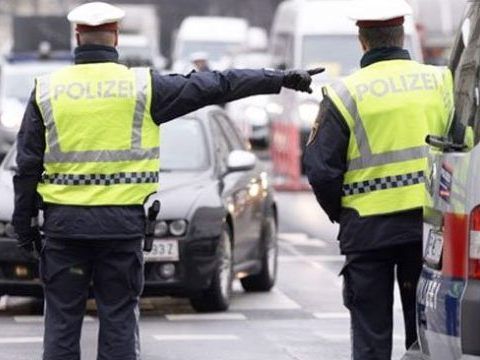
(219, 37)
(307, 33)
(311, 33)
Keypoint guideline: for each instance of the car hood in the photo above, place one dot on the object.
(179, 193)
(6, 195)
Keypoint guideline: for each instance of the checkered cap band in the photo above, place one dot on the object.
(389, 182)
(146, 177)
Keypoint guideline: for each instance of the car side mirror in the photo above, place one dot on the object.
(240, 160)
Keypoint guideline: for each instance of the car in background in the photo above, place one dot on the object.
(219, 37)
(17, 80)
(448, 293)
(218, 218)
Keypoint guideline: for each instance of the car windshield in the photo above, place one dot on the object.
(339, 53)
(216, 50)
(19, 84)
(183, 146)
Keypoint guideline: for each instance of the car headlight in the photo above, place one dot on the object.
(275, 109)
(11, 119)
(178, 227)
(256, 116)
(2, 228)
(161, 229)
(308, 114)
(10, 231)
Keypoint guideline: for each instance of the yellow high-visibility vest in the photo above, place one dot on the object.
(102, 146)
(390, 107)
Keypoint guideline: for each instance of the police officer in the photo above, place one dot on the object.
(200, 61)
(89, 147)
(366, 162)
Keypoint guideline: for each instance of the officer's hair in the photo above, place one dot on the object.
(383, 36)
(106, 38)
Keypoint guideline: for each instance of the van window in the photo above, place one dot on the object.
(340, 53)
(216, 50)
(282, 50)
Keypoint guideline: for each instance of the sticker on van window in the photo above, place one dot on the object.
(446, 179)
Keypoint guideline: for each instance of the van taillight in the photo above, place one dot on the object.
(474, 248)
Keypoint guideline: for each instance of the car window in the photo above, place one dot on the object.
(231, 133)
(183, 146)
(222, 147)
(466, 65)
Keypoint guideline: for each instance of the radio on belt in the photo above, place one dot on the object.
(150, 225)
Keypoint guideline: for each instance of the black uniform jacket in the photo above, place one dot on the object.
(173, 96)
(325, 161)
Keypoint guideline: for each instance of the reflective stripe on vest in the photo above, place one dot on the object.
(55, 155)
(367, 159)
(102, 146)
(101, 179)
(389, 118)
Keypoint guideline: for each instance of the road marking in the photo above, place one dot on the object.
(318, 258)
(205, 317)
(345, 337)
(332, 315)
(21, 340)
(196, 337)
(301, 239)
(272, 300)
(24, 319)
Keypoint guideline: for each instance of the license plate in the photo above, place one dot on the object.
(434, 248)
(163, 250)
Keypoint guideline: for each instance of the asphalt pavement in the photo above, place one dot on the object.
(301, 319)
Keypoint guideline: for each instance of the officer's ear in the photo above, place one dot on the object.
(116, 38)
(77, 36)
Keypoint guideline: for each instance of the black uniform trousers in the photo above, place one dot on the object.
(369, 279)
(114, 268)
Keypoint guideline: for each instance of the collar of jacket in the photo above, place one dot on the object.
(86, 54)
(382, 54)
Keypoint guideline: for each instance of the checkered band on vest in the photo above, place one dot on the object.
(101, 179)
(389, 182)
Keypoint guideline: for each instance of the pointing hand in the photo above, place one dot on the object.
(300, 80)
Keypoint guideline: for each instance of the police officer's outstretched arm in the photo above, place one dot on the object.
(177, 95)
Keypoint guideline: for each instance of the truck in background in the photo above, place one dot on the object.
(219, 37)
(139, 40)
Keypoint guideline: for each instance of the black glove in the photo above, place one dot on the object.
(30, 243)
(300, 80)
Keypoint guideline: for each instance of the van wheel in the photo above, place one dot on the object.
(265, 279)
(217, 296)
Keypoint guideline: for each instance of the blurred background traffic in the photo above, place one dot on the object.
(187, 35)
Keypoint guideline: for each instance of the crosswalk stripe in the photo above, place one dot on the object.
(273, 300)
(318, 258)
(301, 239)
(332, 315)
(345, 337)
(196, 337)
(21, 340)
(205, 317)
